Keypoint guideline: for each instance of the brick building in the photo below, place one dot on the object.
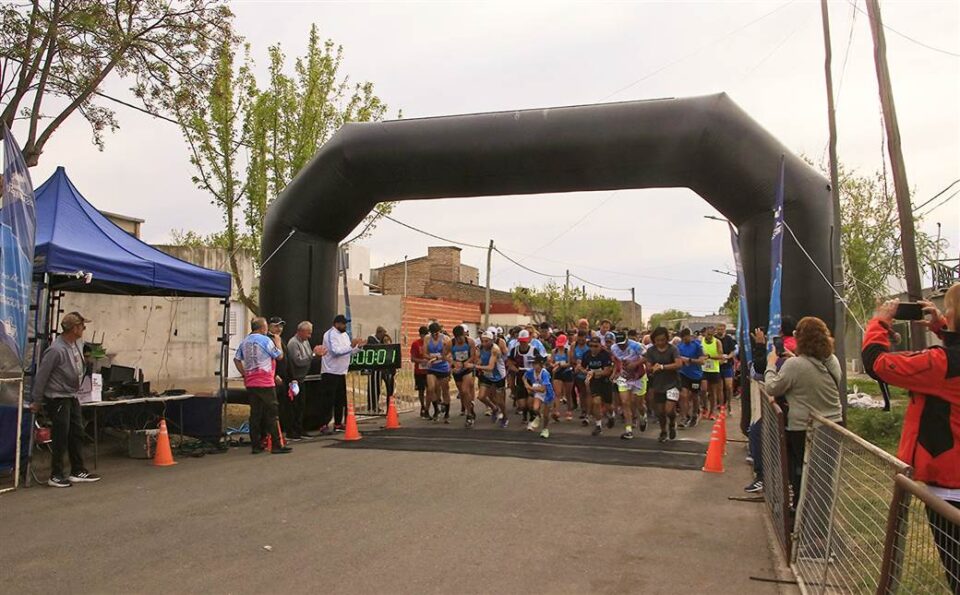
(438, 275)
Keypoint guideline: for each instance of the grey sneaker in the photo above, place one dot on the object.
(58, 482)
(754, 488)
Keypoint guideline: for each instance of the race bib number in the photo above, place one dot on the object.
(622, 383)
(673, 395)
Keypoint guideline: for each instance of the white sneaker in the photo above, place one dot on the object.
(545, 433)
(530, 427)
(534, 424)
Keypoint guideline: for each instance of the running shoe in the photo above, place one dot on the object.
(545, 433)
(695, 421)
(755, 487)
(446, 418)
(56, 481)
(556, 416)
(596, 431)
(673, 432)
(611, 421)
(626, 436)
(504, 423)
(643, 424)
(569, 416)
(469, 422)
(749, 460)
(663, 437)
(534, 424)
(83, 476)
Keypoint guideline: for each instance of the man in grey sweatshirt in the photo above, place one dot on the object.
(55, 387)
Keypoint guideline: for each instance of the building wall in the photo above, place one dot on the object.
(358, 269)
(367, 312)
(422, 311)
(508, 320)
(173, 340)
(438, 274)
(631, 315)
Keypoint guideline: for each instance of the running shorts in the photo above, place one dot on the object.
(726, 371)
(564, 374)
(600, 387)
(689, 383)
(638, 386)
(712, 377)
(458, 375)
(489, 382)
(661, 397)
(438, 374)
(545, 398)
(420, 381)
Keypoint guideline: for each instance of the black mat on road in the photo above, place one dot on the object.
(561, 446)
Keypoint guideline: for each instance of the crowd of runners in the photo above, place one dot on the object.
(597, 375)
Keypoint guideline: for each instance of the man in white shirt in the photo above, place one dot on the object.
(334, 365)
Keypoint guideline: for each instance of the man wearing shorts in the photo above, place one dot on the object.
(597, 364)
(491, 374)
(663, 361)
(729, 345)
(631, 382)
(418, 356)
(691, 374)
(713, 352)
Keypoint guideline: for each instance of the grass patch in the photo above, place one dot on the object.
(878, 426)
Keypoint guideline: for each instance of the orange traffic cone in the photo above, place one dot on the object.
(351, 433)
(163, 456)
(283, 440)
(393, 420)
(722, 429)
(714, 462)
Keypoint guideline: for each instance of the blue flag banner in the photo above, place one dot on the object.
(18, 227)
(743, 316)
(776, 265)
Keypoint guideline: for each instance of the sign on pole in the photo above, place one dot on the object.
(776, 265)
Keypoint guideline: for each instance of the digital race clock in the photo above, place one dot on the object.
(376, 357)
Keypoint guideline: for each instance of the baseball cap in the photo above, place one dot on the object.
(73, 319)
(620, 337)
(487, 335)
(499, 330)
(278, 320)
(339, 318)
(524, 336)
(561, 340)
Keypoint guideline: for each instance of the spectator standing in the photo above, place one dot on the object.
(333, 382)
(300, 356)
(256, 359)
(55, 388)
(930, 439)
(375, 377)
(810, 381)
(418, 355)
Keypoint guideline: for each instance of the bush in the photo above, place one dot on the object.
(877, 426)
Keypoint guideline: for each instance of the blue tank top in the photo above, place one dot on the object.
(498, 371)
(560, 356)
(461, 353)
(578, 353)
(437, 349)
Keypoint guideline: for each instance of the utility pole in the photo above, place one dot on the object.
(839, 314)
(908, 246)
(566, 299)
(633, 304)
(486, 307)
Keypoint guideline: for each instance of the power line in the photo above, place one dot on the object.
(569, 228)
(526, 268)
(908, 38)
(939, 204)
(934, 197)
(427, 233)
(846, 54)
(601, 286)
(697, 51)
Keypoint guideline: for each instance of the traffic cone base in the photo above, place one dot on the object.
(351, 432)
(393, 420)
(163, 456)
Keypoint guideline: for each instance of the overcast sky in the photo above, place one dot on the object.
(433, 58)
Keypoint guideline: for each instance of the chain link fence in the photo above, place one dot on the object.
(776, 485)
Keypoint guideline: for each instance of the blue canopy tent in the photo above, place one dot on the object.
(80, 250)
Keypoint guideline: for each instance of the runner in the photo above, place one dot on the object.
(491, 373)
(418, 356)
(438, 370)
(631, 382)
(538, 384)
(691, 352)
(598, 366)
(583, 325)
(562, 370)
(579, 349)
(464, 353)
(713, 351)
(664, 361)
(729, 345)
(518, 362)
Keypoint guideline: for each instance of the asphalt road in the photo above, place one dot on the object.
(381, 519)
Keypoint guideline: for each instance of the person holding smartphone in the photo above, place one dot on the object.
(930, 439)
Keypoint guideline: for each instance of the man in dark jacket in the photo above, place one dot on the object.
(930, 440)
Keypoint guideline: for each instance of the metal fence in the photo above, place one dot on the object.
(922, 548)
(842, 517)
(776, 485)
(369, 400)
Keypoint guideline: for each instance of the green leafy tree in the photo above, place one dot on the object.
(247, 143)
(562, 307)
(668, 318)
(56, 54)
(731, 306)
(870, 238)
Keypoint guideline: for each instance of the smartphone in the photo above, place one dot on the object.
(909, 311)
(778, 346)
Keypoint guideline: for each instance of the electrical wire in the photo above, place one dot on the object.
(567, 229)
(939, 204)
(907, 37)
(846, 54)
(602, 286)
(526, 268)
(934, 197)
(435, 236)
(698, 50)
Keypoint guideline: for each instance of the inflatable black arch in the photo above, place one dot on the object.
(707, 144)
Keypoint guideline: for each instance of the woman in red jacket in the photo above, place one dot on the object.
(930, 441)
